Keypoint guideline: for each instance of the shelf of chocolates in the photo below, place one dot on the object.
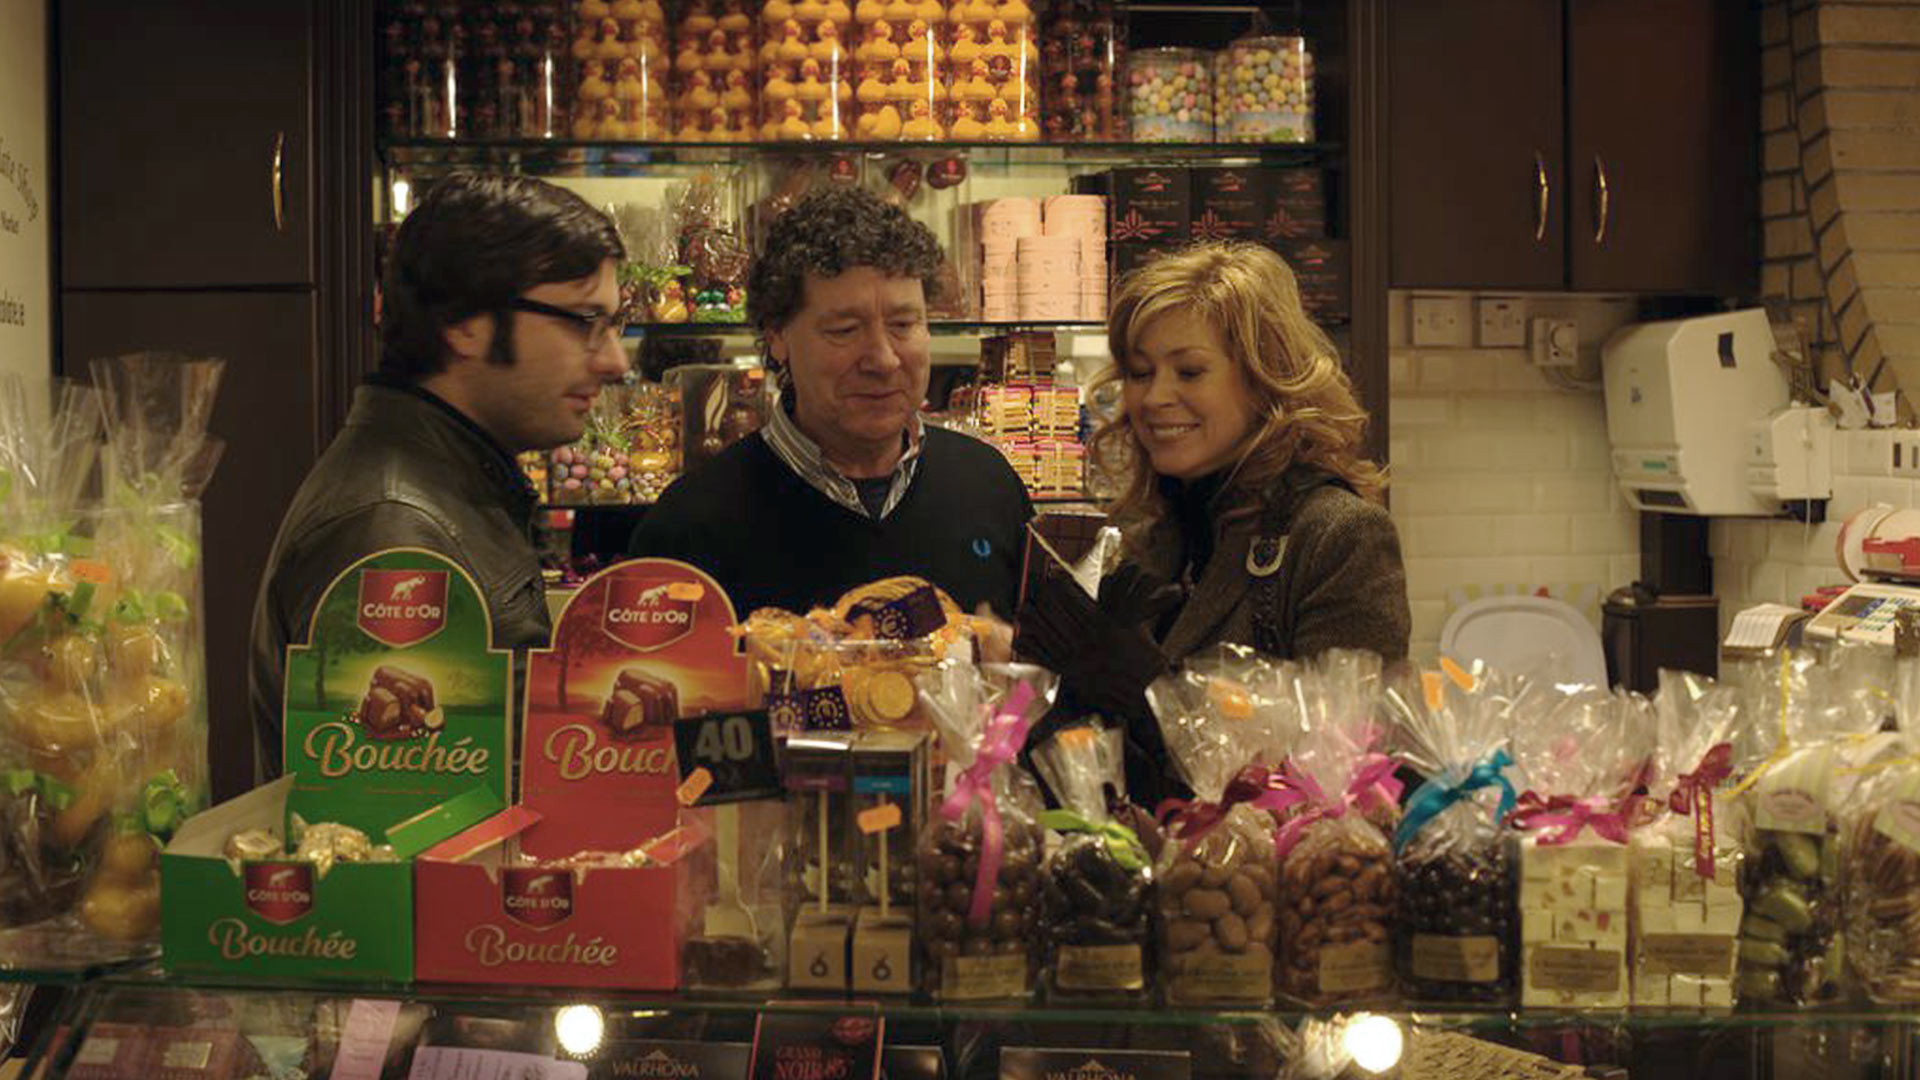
(936, 326)
(597, 158)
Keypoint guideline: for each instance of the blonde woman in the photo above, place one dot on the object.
(1241, 440)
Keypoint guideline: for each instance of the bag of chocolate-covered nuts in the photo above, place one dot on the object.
(1455, 933)
(979, 858)
(1336, 886)
(1222, 719)
(1881, 875)
(1098, 878)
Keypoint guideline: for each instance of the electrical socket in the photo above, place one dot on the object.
(1440, 321)
(1502, 322)
(1556, 343)
(1905, 454)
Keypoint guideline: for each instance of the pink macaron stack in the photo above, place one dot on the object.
(1001, 224)
(1084, 218)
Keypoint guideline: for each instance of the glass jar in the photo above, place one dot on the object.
(901, 71)
(716, 84)
(1267, 90)
(995, 60)
(620, 60)
(1172, 95)
(806, 66)
(1085, 52)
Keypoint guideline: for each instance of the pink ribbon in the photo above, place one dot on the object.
(1569, 815)
(1373, 785)
(1005, 733)
(1694, 795)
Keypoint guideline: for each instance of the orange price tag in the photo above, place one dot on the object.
(880, 818)
(92, 571)
(694, 786)
(1461, 677)
(689, 591)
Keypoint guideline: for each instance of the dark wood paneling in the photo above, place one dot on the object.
(1662, 95)
(169, 115)
(265, 413)
(1473, 101)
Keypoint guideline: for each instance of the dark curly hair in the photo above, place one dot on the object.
(829, 231)
(473, 243)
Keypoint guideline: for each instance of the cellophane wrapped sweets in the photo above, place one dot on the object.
(1214, 878)
(102, 659)
(1098, 880)
(1685, 862)
(979, 859)
(1336, 882)
(1880, 826)
(1812, 718)
(1580, 754)
(1456, 930)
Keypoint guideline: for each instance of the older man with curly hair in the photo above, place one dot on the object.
(845, 484)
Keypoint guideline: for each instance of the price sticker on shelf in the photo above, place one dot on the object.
(737, 752)
(879, 819)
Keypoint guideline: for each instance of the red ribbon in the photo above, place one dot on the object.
(1568, 816)
(1693, 794)
(999, 745)
(1191, 819)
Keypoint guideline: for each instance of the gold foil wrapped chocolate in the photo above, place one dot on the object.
(253, 844)
(326, 843)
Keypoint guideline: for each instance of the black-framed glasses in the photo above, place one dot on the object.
(597, 329)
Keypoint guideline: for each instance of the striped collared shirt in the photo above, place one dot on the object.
(808, 462)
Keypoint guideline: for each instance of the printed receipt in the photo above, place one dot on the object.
(459, 1063)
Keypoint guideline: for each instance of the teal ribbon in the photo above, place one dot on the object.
(1122, 843)
(1434, 797)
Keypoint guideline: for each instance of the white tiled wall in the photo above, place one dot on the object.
(1778, 562)
(1500, 479)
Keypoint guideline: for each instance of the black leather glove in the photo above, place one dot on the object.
(1101, 649)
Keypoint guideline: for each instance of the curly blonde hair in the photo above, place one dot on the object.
(1305, 408)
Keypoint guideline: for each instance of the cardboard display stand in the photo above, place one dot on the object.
(638, 646)
(396, 723)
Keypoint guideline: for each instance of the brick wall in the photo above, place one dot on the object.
(1501, 480)
(1840, 199)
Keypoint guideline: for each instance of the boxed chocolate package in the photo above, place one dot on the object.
(1229, 202)
(590, 880)
(1126, 258)
(396, 737)
(1321, 268)
(1294, 204)
(1150, 204)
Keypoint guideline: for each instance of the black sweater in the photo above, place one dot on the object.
(771, 540)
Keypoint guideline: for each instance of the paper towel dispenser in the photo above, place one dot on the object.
(1682, 397)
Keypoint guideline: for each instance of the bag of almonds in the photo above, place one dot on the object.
(979, 857)
(1586, 750)
(1685, 863)
(1336, 888)
(1098, 878)
(1214, 877)
(1455, 931)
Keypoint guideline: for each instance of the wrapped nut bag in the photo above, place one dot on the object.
(1880, 825)
(1098, 878)
(1215, 873)
(1455, 863)
(1685, 864)
(1585, 750)
(980, 857)
(1336, 884)
(1816, 718)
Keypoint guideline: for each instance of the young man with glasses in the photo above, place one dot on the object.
(498, 329)
(845, 484)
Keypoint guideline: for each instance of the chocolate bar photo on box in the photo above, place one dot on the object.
(398, 704)
(640, 701)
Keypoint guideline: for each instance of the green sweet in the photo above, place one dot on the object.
(1762, 929)
(1784, 904)
(1800, 852)
(1766, 954)
(1755, 983)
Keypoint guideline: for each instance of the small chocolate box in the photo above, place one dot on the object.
(1228, 203)
(1295, 205)
(1144, 205)
(1320, 266)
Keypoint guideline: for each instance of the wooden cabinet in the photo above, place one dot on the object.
(186, 151)
(266, 416)
(1604, 145)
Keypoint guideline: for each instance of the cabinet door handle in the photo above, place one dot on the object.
(279, 189)
(1603, 199)
(1541, 198)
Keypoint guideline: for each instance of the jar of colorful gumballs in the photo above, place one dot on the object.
(1172, 95)
(620, 63)
(1084, 51)
(1267, 90)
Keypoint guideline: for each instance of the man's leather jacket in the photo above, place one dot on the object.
(408, 470)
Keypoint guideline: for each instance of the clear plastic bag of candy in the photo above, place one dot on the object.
(1223, 719)
(1098, 879)
(979, 858)
(1580, 755)
(1686, 862)
(1336, 885)
(1455, 863)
